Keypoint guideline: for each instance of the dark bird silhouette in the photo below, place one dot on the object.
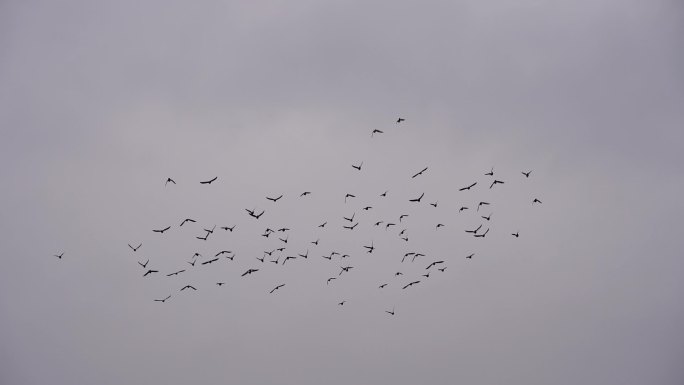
(283, 229)
(330, 279)
(416, 255)
(442, 269)
(275, 260)
(323, 224)
(280, 249)
(261, 259)
(250, 271)
(400, 120)
(402, 216)
(410, 284)
(433, 204)
(384, 194)
(348, 196)
(427, 275)
(388, 225)
(203, 238)
(481, 235)
(382, 286)
(404, 238)
(376, 131)
(305, 193)
(536, 201)
(367, 208)
(474, 231)
(346, 269)
(341, 303)
(209, 181)
(417, 199)
(351, 227)
(487, 217)
(285, 240)
(496, 181)
(470, 256)
(210, 261)
(269, 252)
(150, 272)
(351, 219)
(390, 312)
(223, 252)
(257, 216)
(59, 255)
(439, 225)
(210, 231)
(144, 265)
(467, 187)
(402, 232)
(419, 173)
(219, 284)
(516, 234)
(187, 220)
(162, 230)
(527, 174)
(315, 242)
(176, 273)
(134, 248)
(305, 255)
(358, 167)
(378, 223)
(288, 258)
(398, 273)
(228, 228)
(433, 264)
(462, 208)
(327, 257)
(407, 255)
(481, 204)
(188, 287)
(192, 263)
(370, 248)
(274, 199)
(490, 173)
(162, 300)
(276, 288)
(169, 180)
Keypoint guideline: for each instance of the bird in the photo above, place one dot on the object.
(351, 219)
(351, 227)
(378, 223)
(367, 208)
(134, 248)
(284, 240)
(250, 271)
(398, 273)
(527, 174)
(487, 217)
(306, 255)
(209, 181)
(358, 167)
(402, 216)
(187, 220)
(188, 287)
(384, 194)
(402, 232)
(275, 260)
(276, 288)
(410, 284)
(283, 229)
(467, 187)
(433, 264)
(150, 272)
(516, 234)
(416, 255)
(388, 225)
(59, 255)
(315, 242)
(287, 258)
(417, 199)
(462, 208)
(419, 173)
(442, 269)
(341, 303)
(162, 230)
(345, 269)
(400, 120)
(496, 181)
(376, 131)
(536, 201)
(323, 224)
(481, 204)
(390, 312)
(481, 235)
(219, 284)
(261, 259)
(223, 252)
(280, 249)
(404, 238)
(370, 248)
(192, 263)
(348, 196)
(407, 255)
(144, 266)
(210, 261)
(203, 238)
(228, 228)
(162, 300)
(327, 257)
(490, 173)
(210, 231)
(382, 286)
(257, 216)
(433, 204)
(274, 199)
(439, 225)
(305, 193)
(470, 256)
(330, 279)
(474, 231)
(426, 275)
(169, 180)
(176, 273)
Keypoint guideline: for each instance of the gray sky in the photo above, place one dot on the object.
(100, 103)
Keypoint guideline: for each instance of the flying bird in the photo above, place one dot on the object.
(250, 271)
(187, 220)
(59, 255)
(358, 167)
(382, 286)
(323, 224)
(150, 272)
(481, 204)
(348, 196)
(228, 228)
(351, 227)
(376, 131)
(351, 219)
(410, 284)
(134, 248)
(384, 194)
(169, 180)
(433, 264)
(527, 174)
(536, 201)
(400, 120)
(481, 235)
(419, 172)
(470, 256)
(144, 266)
(209, 181)
(176, 273)
(370, 248)
(210, 261)
(474, 231)
(402, 216)
(341, 303)
(417, 199)
(274, 199)
(487, 217)
(162, 230)
(162, 300)
(433, 204)
(490, 173)
(390, 312)
(276, 288)
(330, 279)
(496, 181)
(467, 187)
(439, 225)
(305, 193)
(516, 234)
(305, 256)
(188, 287)
(219, 284)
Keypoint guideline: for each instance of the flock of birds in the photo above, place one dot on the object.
(279, 256)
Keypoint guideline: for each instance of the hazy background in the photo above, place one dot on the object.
(100, 103)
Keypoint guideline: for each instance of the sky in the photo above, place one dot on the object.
(101, 102)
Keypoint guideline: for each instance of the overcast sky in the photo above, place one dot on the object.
(100, 102)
